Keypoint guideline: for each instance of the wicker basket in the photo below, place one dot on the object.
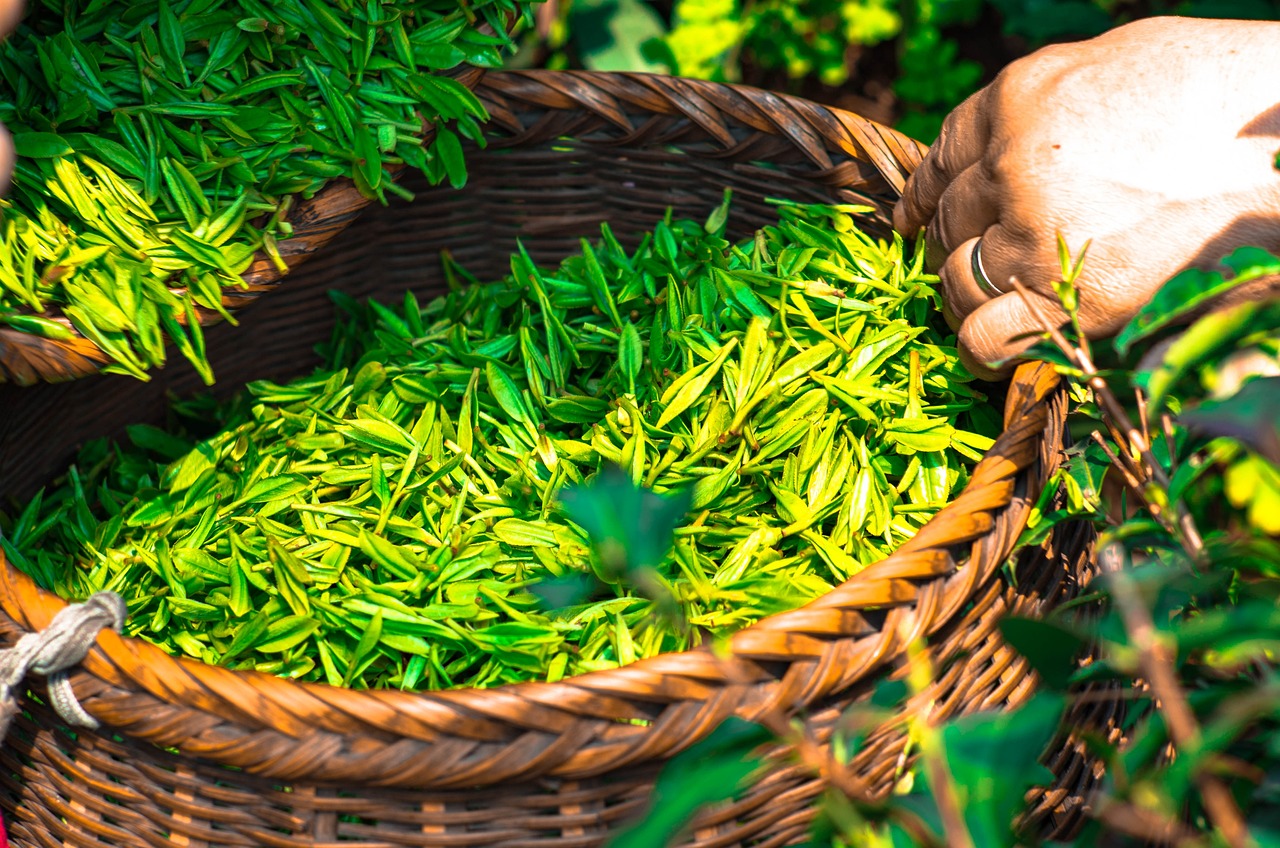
(202, 756)
(27, 359)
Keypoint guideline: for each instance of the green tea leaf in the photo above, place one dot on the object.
(275, 488)
(40, 145)
(1192, 289)
(286, 633)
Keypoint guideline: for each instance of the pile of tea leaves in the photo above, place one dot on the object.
(398, 519)
(161, 143)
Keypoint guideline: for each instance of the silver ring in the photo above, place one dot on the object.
(980, 274)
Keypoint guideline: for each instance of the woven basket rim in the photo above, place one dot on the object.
(922, 573)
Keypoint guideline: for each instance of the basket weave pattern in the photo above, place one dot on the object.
(264, 761)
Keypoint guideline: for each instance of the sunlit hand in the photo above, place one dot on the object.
(1157, 141)
(10, 13)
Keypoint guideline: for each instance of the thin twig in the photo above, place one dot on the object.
(1123, 445)
(1082, 361)
(1171, 444)
(943, 786)
(822, 762)
(1141, 399)
(819, 759)
(932, 754)
(1130, 478)
(1189, 528)
(1147, 825)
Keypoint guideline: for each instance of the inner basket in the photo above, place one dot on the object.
(201, 756)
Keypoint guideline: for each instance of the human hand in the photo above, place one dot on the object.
(1157, 141)
(10, 14)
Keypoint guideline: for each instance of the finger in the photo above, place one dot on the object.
(960, 290)
(1007, 251)
(960, 144)
(1000, 329)
(966, 209)
(10, 14)
(6, 159)
(1004, 254)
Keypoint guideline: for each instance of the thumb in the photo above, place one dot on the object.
(10, 14)
(1001, 329)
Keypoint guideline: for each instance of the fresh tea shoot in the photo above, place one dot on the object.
(402, 519)
(161, 144)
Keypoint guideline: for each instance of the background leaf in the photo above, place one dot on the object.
(712, 770)
(1251, 415)
(994, 759)
(630, 527)
(1190, 290)
(611, 34)
(1050, 648)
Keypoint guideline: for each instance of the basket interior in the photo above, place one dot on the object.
(547, 195)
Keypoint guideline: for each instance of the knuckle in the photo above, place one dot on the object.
(949, 156)
(1008, 93)
(937, 244)
(907, 213)
(1032, 73)
(946, 161)
(1005, 167)
(1142, 26)
(927, 182)
(901, 219)
(952, 125)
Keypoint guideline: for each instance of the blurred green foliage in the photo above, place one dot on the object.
(711, 39)
(933, 53)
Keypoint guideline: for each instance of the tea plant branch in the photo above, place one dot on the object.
(1116, 418)
(1154, 656)
(1124, 466)
(1166, 427)
(821, 761)
(933, 754)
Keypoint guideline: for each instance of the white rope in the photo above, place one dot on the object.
(61, 645)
